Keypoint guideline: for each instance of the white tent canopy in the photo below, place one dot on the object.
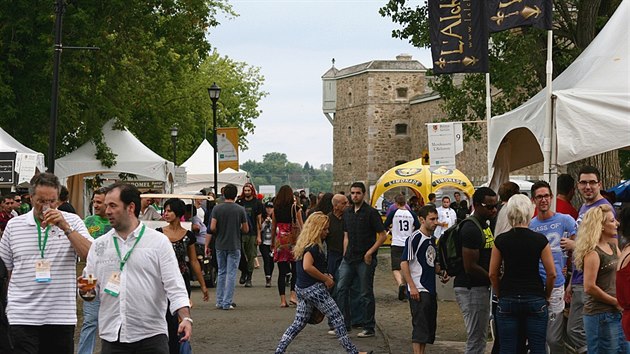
(591, 113)
(200, 171)
(131, 157)
(23, 154)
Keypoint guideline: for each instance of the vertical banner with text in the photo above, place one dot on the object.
(227, 148)
(459, 36)
(441, 145)
(506, 14)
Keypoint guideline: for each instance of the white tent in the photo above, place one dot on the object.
(591, 114)
(131, 157)
(200, 171)
(27, 161)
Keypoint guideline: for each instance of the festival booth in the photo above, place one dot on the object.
(200, 172)
(422, 180)
(18, 163)
(590, 109)
(132, 157)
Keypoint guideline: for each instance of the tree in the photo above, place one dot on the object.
(151, 72)
(517, 62)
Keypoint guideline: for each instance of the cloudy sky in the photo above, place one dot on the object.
(293, 42)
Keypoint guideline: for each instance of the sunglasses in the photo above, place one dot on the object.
(489, 206)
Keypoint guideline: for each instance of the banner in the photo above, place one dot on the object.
(441, 145)
(227, 148)
(506, 14)
(459, 36)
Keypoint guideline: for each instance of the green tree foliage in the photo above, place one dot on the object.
(516, 58)
(151, 72)
(275, 169)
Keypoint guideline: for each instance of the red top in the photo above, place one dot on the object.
(623, 297)
(564, 207)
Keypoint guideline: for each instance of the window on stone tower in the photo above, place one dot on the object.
(401, 129)
(401, 92)
(350, 98)
(349, 131)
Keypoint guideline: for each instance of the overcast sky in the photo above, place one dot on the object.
(293, 42)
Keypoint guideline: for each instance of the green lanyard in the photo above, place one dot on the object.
(124, 260)
(42, 246)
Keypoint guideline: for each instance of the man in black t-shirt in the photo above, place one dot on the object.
(472, 288)
(251, 239)
(363, 235)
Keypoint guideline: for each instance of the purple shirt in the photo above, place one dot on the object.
(395, 207)
(577, 277)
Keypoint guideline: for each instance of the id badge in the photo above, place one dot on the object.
(42, 271)
(113, 285)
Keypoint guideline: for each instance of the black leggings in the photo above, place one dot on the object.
(265, 251)
(285, 268)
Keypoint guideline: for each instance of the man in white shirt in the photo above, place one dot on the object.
(136, 272)
(446, 217)
(39, 250)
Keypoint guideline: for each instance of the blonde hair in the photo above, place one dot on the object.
(311, 234)
(589, 233)
(519, 210)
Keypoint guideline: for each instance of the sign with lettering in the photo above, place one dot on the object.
(441, 145)
(227, 149)
(6, 171)
(459, 36)
(506, 14)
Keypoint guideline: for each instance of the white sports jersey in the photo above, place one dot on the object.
(402, 227)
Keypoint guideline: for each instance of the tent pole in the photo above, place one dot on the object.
(554, 153)
(488, 119)
(547, 131)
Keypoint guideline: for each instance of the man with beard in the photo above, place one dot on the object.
(251, 239)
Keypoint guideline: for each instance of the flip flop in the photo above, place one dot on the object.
(285, 305)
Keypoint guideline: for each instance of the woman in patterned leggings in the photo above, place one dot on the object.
(312, 284)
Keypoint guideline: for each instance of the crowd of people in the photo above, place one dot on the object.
(551, 281)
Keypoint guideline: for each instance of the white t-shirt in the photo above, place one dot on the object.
(33, 303)
(403, 225)
(446, 215)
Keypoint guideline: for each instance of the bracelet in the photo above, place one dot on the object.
(188, 319)
(69, 231)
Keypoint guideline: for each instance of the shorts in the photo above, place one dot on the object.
(396, 252)
(423, 318)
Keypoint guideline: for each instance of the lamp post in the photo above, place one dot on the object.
(214, 91)
(174, 139)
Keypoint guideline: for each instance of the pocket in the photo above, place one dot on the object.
(505, 307)
(538, 307)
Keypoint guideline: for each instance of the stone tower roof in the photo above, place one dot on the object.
(403, 62)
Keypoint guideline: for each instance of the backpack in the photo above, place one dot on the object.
(450, 248)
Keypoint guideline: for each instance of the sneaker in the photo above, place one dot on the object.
(232, 308)
(268, 282)
(366, 333)
(402, 292)
(332, 332)
(248, 283)
(243, 278)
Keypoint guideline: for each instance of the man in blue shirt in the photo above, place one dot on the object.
(554, 226)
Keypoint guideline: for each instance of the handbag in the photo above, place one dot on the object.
(316, 316)
(295, 227)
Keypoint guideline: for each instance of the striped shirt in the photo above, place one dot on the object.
(32, 303)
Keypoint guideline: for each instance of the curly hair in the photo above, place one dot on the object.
(311, 234)
(589, 233)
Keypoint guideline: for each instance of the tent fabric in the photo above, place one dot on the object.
(592, 105)
(10, 144)
(422, 179)
(200, 171)
(131, 157)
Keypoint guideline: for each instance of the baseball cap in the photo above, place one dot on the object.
(269, 205)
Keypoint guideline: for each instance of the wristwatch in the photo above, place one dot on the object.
(188, 319)
(69, 231)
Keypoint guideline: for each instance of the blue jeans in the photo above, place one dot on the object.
(475, 306)
(604, 333)
(87, 339)
(526, 314)
(347, 272)
(226, 276)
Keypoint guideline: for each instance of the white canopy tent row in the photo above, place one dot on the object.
(590, 106)
(200, 172)
(132, 157)
(15, 158)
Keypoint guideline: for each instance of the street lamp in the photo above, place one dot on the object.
(174, 139)
(215, 91)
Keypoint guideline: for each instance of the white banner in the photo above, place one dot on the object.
(459, 138)
(441, 145)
